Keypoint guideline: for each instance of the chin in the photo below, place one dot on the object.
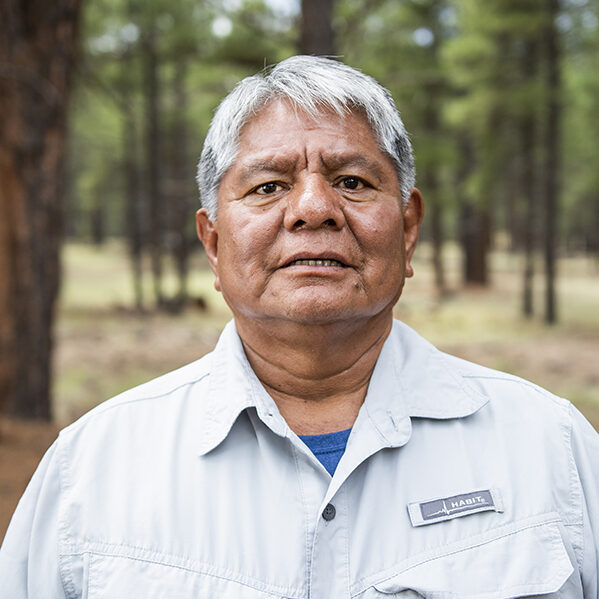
(315, 306)
(323, 313)
(318, 317)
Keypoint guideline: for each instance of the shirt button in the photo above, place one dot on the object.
(329, 512)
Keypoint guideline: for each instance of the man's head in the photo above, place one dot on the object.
(317, 217)
(310, 84)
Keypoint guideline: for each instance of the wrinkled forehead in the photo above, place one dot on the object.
(280, 127)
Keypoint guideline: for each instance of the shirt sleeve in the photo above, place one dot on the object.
(585, 448)
(29, 557)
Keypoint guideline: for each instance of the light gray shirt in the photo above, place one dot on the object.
(457, 482)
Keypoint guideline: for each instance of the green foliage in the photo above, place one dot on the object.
(455, 67)
(581, 128)
(487, 65)
(118, 35)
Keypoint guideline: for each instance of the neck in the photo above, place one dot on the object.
(317, 374)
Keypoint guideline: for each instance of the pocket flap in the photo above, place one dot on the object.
(517, 563)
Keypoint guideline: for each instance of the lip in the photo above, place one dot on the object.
(316, 256)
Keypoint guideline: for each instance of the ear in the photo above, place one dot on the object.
(413, 214)
(208, 234)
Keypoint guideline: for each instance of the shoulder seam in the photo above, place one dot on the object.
(124, 401)
(509, 378)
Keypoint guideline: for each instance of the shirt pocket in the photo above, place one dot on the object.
(118, 577)
(526, 560)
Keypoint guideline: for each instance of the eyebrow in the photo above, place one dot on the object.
(336, 162)
(332, 162)
(268, 165)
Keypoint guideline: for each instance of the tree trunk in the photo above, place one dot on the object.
(430, 181)
(181, 210)
(551, 157)
(38, 49)
(317, 36)
(474, 225)
(528, 190)
(511, 194)
(152, 116)
(528, 183)
(134, 216)
(475, 235)
(96, 221)
(437, 240)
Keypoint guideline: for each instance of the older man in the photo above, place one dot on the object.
(322, 450)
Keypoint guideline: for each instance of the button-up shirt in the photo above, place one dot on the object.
(457, 482)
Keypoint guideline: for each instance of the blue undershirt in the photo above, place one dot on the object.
(328, 448)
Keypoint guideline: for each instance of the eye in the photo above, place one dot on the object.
(267, 188)
(352, 183)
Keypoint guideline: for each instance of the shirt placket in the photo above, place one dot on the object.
(329, 573)
(327, 518)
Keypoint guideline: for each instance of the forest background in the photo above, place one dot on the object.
(104, 105)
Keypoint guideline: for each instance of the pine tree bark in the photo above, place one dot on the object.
(437, 241)
(475, 236)
(97, 221)
(134, 212)
(181, 209)
(153, 163)
(551, 158)
(474, 225)
(528, 190)
(430, 181)
(38, 51)
(317, 35)
(528, 182)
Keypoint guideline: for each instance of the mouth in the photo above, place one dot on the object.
(325, 262)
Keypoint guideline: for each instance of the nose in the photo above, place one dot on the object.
(314, 204)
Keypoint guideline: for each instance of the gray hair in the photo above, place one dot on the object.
(311, 84)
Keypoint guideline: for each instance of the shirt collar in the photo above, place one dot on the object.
(411, 379)
(233, 387)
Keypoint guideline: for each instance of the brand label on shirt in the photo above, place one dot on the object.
(446, 508)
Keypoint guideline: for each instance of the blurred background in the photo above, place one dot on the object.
(104, 105)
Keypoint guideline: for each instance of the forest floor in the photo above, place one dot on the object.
(104, 347)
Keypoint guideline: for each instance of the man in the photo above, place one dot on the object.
(322, 450)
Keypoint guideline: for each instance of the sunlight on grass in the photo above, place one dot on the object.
(101, 278)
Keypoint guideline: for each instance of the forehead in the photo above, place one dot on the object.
(281, 129)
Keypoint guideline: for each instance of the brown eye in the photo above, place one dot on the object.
(352, 183)
(267, 188)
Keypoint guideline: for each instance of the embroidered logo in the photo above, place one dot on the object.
(446, 508)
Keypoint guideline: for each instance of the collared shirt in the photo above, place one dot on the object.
(457, 482)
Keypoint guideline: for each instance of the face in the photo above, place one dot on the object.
(310, 224)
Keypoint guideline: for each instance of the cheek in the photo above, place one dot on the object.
(382, 234)
(246, 244)
(385, 256)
